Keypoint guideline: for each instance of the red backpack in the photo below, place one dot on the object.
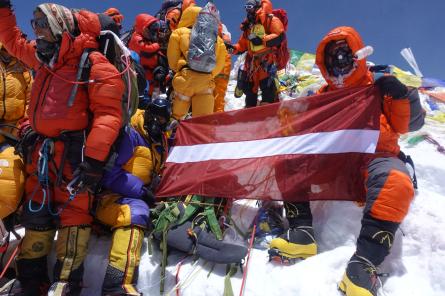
(283, 54)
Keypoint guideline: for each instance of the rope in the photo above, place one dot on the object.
(439, 147)
(247, 261)
(45, 153)
(16, 250)
(127, 68)
(177, 273)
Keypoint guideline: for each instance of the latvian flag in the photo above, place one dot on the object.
(309, 148)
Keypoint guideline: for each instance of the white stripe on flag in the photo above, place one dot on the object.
(342, 141)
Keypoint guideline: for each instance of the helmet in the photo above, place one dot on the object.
(339, 59)
(156, 118)
(115, 14)
(160, 107)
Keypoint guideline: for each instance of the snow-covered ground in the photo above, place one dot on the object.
(416, 264)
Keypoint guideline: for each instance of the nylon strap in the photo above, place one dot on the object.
(230, 271)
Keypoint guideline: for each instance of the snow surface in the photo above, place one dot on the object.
(416, 263)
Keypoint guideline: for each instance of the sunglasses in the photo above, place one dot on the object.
(41, 23)
(249, 6)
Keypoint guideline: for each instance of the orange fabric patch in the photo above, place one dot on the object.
(394, 199)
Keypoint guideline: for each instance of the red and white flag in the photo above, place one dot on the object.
(303, 149)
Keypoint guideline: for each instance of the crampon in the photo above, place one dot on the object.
(280, 258)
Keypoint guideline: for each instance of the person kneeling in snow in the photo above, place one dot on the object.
(389, 189)
(130, 184)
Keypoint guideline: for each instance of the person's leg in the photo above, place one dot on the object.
(251, 95)
(74, 230)
(72, 240)
(268, 90)
(183, 92)
(220, 93)
(32, 270)
(298, 241)
(389, 195)
(129, 218)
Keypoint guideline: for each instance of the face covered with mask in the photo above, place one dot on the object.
(157, 31)
(339, 59)
(251, 7)
(49, 22)
(156, 118)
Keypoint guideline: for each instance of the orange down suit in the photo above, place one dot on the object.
(388, 184)
(97, 106)
(147, 51)
(191, 88)
(173, 16)
(260, 58)
(222, 79)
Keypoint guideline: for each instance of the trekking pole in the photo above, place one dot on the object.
(252, 237)
(14, 254)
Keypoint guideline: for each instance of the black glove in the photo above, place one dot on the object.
(148, 196)
(87, 176)
(160, 73)
(27, 140)
(5, 4)
(229, 46)
(391, 86)
(255, 40)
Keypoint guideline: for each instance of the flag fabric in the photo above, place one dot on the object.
(309, 148)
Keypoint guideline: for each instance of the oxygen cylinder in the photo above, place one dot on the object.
(364, 52)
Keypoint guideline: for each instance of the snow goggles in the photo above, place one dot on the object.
(250, 7)
(41, 23)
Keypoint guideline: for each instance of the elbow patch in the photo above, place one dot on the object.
(275, 41)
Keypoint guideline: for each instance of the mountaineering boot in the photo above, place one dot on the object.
(32, 272)
(373, 245)
(71, 249)
(360, 278)
(125, 254)
(298, 242)
(32, 279)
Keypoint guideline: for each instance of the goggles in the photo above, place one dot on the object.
(41, 23)
(250, 7)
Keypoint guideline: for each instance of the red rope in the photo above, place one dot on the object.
(86, 82)
(177, 273)
(10, 260)
(247, 261)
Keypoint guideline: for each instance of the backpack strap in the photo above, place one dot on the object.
(83, 73)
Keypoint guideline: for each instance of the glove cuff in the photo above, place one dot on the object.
(95, 164)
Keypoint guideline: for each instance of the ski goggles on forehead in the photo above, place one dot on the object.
(41, 23)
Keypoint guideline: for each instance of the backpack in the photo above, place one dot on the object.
(203, 40)
(117, 54)
(168, 6)
(283, 55)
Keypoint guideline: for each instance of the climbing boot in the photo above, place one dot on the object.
(125, 254)
(298, 242)
(361, 278)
